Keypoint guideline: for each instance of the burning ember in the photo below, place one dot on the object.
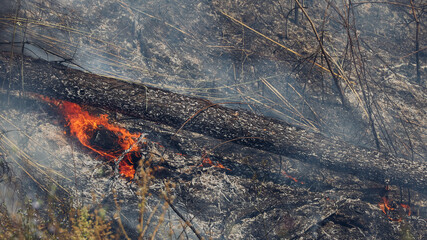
(102, 137)
(207, 162)
(289, 176)
(394, 211)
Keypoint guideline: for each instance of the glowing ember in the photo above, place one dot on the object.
(207, 162)
(289, 176)
(87, 127)
(391, 209)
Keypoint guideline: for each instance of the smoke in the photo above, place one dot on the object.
(188, 47)
(8, 188)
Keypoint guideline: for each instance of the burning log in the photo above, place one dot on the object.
(52, 79)
(97, 134)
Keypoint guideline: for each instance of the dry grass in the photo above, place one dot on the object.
(62, 221)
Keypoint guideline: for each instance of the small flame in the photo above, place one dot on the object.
(289, 176)
(84, 125)
(207, 162)
(388, 208)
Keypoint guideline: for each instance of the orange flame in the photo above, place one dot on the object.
(289, 176)
(207, 162)
(84, 125)
(387, 208)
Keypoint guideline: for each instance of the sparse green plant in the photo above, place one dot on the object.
(88, 225)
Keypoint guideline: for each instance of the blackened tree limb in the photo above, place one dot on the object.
(220, 122)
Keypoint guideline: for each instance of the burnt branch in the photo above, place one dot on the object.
(220, 122)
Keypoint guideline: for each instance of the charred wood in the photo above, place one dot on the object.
(137, 100)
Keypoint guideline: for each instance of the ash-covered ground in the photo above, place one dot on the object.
(261, 54)
(258, 196)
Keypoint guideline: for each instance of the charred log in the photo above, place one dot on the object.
(105, 140)
(53, 80)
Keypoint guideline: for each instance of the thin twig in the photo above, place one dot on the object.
(325, 54)
(120, 158)
(183, 218)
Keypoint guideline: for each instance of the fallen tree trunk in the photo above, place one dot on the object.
(51, 79)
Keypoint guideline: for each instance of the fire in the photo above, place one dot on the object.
(88, 128)
(289, 176)
(207, 162)
(391, 209)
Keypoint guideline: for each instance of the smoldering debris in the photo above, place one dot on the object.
(249, 199)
